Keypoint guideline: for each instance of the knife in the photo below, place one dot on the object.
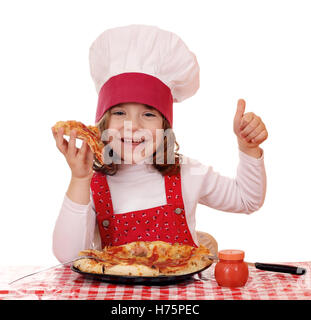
(280, 268)
(56, 266)
(272, 267)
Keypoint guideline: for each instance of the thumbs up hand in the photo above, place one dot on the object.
(249, 129)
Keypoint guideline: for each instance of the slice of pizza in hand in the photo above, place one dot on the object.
(90, 134)
(148, 259)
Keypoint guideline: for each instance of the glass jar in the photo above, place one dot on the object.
(231, 270)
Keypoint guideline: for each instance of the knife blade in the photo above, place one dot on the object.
(56, 266)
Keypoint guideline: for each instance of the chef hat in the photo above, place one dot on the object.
(143, 64)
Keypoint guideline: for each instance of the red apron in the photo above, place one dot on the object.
(163, 223)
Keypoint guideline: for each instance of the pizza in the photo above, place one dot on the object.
(90, 134)
(143, 258)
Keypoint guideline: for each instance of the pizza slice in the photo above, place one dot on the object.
(90, 134)
(148, 259)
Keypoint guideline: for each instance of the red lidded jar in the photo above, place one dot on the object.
(231, 270)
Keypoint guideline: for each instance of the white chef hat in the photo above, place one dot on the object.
(143, 64)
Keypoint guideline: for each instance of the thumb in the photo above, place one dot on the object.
(239, 111)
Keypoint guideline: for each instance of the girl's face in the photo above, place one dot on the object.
(134, 130)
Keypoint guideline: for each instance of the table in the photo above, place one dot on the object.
(62, 283)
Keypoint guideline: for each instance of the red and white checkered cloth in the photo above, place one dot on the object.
(61, 284)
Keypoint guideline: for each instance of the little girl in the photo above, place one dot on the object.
(146, 190)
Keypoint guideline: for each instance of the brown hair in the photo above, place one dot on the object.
(164, 169)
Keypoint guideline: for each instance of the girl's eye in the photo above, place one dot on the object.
(119, 113)
(150, 114)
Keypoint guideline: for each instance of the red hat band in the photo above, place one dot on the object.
(135, 87)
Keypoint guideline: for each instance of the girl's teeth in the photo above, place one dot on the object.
(133, 141)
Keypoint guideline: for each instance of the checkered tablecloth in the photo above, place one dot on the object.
(62, 283)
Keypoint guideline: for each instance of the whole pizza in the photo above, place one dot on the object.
(147, 259)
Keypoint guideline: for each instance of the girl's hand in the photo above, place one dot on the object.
(80, 160)
(249, 129)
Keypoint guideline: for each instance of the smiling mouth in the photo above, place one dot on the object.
(133, 141)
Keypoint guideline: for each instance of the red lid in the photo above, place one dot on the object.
(231, 254)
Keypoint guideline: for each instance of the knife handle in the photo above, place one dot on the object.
(280, 268)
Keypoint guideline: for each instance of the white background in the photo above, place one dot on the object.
(256, 50)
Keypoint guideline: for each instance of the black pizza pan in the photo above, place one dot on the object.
(138, 280)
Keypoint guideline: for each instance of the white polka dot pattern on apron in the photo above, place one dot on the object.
(165, 223)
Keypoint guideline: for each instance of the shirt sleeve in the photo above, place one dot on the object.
(74, 230)
(243, 194)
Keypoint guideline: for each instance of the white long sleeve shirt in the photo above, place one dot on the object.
(140, 186)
